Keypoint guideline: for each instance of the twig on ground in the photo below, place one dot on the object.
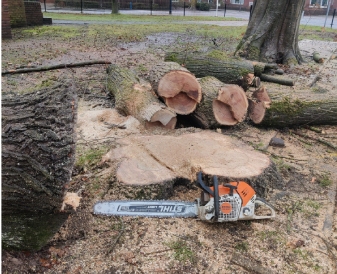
(315, 139)
(59, 66)
(121, 231)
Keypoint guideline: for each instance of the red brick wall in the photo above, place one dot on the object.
(5, 21)
(17, 13)
(34, 14)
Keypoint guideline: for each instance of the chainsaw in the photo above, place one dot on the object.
(220, 203)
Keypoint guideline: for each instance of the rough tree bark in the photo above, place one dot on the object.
(38, 153)
(272, 33)
(135, 98)
(308, 106)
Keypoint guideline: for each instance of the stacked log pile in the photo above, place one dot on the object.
(171, 90)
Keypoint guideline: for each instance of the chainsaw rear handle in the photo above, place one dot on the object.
(262, 202)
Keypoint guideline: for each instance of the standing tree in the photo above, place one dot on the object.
(114, 7)
(272, 33)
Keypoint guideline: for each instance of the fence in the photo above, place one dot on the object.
(134, 4)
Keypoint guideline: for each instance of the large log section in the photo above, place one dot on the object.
(221, 104)
(38, 153)
(157, 162)
(230, 71)
(178, 87)
(135, 98)
(304, 106)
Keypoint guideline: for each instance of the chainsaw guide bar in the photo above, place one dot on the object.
(220, 203)
(159, 209)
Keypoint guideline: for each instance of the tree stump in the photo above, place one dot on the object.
(178, 87)
(38, 153)
(134, 97)
(222, 104)
(161, 161)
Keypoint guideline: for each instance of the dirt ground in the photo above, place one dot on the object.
(301, 239)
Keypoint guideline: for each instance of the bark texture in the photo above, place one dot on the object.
(229, 71)
(314, 106)
(136, 98)
(178, 87)
(272, 33)
(38, 153)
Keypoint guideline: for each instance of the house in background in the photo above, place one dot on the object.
(311, 7)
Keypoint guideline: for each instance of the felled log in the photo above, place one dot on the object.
(317, 58)
(231, 71)
(222, 104)
(307, 106)
(135, 98)
(149, 166)
(53, 67)
(178, 87)
(38, 153)
(281, 81)
(258, 104)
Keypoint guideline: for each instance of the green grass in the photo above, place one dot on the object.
(133, 33)
(317, 33)
(90, 157)
(182, 252)
(243, 246)
(118, 18)
(324, 180)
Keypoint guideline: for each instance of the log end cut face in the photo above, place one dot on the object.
(256, 111)
(180, 85)
(222, 113)
(231, 105)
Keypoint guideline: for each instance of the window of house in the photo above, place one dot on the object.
(238, 2)
(321, 3)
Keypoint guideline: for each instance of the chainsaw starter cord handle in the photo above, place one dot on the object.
(203, 186)
(216, 198)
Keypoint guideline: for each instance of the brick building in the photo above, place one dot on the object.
(19, 13)
(6, 32)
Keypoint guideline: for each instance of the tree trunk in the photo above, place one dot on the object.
(230, 71)
(312, 106)
(114, 7)
(221, 104)
(38, 153)
(272, 33)
(136, 98)
(178, 87)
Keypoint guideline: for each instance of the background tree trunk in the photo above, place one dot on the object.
(38, 153)
(272, 33)
(114, 7)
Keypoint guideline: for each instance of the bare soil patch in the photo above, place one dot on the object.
(302, 238)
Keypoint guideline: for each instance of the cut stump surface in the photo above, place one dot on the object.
(158, 159)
